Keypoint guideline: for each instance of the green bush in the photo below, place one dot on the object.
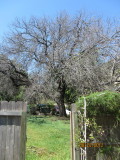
(31, 109)
(99, 103)
(34, 109)
(102, 107)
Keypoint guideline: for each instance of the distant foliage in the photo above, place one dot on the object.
(17, 95)
(70, 95)
(32, 108)
(20, 95)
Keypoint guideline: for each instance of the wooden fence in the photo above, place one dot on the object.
(77, 153)
(12, 130)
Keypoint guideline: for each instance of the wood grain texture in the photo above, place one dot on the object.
(12, 130)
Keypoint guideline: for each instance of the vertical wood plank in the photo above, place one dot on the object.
(75, 152)
(24, 119)
(3, 119)
(73, 131)
(23, 136)
(0, 134)
(71, 134)
(18, 129)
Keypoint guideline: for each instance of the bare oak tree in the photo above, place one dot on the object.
(64, 52)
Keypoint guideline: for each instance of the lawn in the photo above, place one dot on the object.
(48, 138)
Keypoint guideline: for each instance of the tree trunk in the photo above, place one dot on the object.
(60, 103)
(60, 97)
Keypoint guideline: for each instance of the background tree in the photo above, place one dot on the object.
(12, 78)
(64, 51)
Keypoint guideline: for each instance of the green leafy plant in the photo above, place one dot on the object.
(100, 103)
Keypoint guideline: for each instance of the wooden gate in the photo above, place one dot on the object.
(12, 130)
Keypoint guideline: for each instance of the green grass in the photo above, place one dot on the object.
(48, 138)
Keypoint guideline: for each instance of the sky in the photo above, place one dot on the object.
(12, 9)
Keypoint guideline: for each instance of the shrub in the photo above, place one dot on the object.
(103, 115)
(32, 108)
(99, 103)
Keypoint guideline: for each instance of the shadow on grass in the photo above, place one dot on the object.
(36, 119)
(41, 119)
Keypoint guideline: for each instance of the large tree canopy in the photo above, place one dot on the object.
(65, 51)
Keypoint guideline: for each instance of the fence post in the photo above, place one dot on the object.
(12, 130)
(75, 153)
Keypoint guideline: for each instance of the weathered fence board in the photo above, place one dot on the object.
(75, 152)
(12, 130)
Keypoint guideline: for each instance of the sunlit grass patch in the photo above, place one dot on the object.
(48, 138)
